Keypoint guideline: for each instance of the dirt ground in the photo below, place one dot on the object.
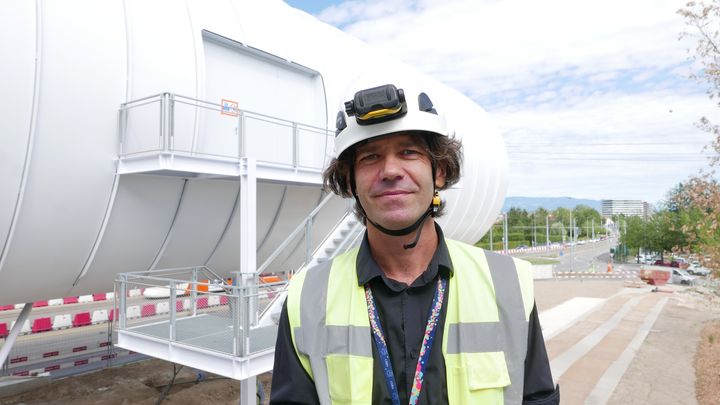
(141, 383)
(144, 382)
(707, 384)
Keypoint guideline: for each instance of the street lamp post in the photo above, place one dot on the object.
(547, 231)
(505, 234)
(491, 236)
(534, 232)
(572, 243)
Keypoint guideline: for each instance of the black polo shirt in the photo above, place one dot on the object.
(403, 312)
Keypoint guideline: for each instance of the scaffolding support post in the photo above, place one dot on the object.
(248, 268)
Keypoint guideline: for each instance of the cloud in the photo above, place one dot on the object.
(559, 72)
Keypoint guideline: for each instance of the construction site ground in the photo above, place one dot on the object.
(635, 347)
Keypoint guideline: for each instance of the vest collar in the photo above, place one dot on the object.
(367, 269)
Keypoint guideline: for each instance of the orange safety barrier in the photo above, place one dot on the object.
(41, 325)
(3, 330)
(81, 319)
(270, 279)
(202, 302)
(99, 297)
(7, 307)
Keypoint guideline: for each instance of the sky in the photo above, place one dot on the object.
(594, 99)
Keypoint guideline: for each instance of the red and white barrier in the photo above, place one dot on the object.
(86, 318)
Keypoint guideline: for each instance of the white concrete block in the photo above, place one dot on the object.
(110, 296)
(213, 300)
(25, 328)
(136, 292)
(62, 321)
(56, 301)
(162, 307)
(542, 271)
(84, 299)
(100, 316)
(133, 312)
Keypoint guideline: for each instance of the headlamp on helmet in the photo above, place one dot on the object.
(379, 104)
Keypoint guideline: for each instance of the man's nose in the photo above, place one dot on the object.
(391, 168)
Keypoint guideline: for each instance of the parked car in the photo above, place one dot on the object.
(698, 270)
(667, 264)
(680, 276)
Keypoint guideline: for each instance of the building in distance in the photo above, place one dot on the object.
(628, 208)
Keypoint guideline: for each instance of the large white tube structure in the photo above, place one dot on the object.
(71, 218)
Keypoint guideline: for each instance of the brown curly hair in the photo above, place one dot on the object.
(445, 152)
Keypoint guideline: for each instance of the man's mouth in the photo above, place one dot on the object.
(391, 193)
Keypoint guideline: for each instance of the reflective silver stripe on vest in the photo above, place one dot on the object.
(315, 339)
(509, 335)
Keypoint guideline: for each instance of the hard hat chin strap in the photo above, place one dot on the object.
(405, 231)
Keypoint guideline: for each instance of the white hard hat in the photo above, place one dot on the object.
(384, 110)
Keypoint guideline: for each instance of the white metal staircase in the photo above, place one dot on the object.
(345, 235)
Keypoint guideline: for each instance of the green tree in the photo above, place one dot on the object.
(636, 234)
(562, 217)
(538, 219)
(700, 202)
(702, 19)
(584, 217)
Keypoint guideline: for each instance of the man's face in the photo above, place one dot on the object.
(393, 180)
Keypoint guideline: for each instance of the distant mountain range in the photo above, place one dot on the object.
(549, 203)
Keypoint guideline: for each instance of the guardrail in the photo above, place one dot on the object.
(179, 307)
(172, 123)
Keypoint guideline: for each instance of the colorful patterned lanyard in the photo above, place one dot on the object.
(424, 349)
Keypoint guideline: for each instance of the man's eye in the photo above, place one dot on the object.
(367, 157)
(410, 152)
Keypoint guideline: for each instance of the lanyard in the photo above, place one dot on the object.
(427, 342)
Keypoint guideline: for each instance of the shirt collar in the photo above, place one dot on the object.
(367, 269)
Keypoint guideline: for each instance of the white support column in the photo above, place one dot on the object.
(14, 332)
(248, 218)
(248, 265)
(248, 391)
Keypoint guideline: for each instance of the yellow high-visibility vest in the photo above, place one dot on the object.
(490, 298)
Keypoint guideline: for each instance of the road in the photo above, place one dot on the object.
(578, 258)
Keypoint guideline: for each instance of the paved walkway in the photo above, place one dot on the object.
(609, 343)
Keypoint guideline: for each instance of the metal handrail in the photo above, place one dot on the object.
(167, 101)
(302, 226)
(345, 243)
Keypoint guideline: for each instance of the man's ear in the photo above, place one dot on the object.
(440, 176)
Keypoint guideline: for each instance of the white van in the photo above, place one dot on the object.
(680, 276)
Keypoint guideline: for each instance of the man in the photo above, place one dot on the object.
(409, 317)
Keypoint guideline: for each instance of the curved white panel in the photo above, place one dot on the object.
(271, 197)
(71, 172)
(17, 21)
(300, 201)
(227, 255)
(141, 216)
(161, 48)
(202, 217)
